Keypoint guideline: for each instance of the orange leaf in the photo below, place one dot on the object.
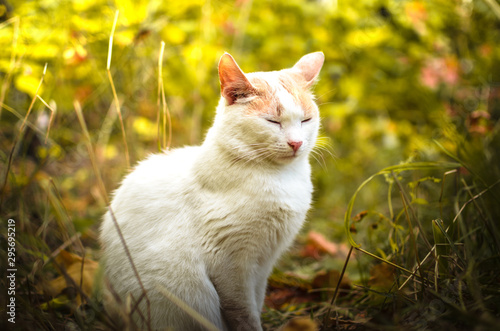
(71, 265)
(317, 243)
(300, 324)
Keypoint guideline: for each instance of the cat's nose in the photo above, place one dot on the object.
(295, 145)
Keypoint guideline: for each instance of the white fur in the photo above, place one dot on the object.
(207, 223)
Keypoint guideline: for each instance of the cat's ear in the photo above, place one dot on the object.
(309, 66)
(233, 82)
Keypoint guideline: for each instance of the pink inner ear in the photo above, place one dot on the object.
(309, 66)
(233, 81)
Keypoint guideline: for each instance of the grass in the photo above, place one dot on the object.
(426, 259)
(441, 247)
(440, 267)
(430, 273)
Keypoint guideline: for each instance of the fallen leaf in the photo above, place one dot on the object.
(71, 266)
(318, 244)
(300, 324)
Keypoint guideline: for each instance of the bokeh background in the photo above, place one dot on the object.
(404, 82)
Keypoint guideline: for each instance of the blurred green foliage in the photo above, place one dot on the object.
(403, 81)
(398, 73)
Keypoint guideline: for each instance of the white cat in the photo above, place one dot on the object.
(207, 223)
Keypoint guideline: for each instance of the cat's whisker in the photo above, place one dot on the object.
(324, 144)
(331, 152)
(250, 156)
(258, 144)
(323, 141)
(325, 149)
(323, 138)
(327, 93)
(325, 103)
(261, 154)
(322, 163)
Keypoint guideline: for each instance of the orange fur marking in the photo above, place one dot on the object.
(268, 103)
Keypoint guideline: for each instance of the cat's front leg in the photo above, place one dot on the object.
(237, 300)
(240, 316)
(261, 284)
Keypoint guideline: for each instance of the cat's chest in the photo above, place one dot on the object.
(261, 195)
(261, 216)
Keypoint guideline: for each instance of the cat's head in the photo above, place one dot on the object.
(268, 116)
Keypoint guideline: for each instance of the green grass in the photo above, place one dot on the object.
(436, 235)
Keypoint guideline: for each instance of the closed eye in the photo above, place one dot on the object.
(306, 120)
(274, 122)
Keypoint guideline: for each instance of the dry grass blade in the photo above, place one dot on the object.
(410, 277)
(90, 150)
(115, 95)
(461, 162)
(52, 113)
(34, 98)
(407, 205)
(439, 224)
(165, 111)
(472, 200)
(66, 223)
(70, 241)
(495, 7)
(384, 260)
(7, 170)
(410, 229)
(486, 220)
(332, 302)
(454, 171)
(190, 311)
(21, 117)
(19, 136)
(441, 251)
(6, 82)
(13, 20)
(97, 173)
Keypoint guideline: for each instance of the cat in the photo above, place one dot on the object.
(207, 223)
